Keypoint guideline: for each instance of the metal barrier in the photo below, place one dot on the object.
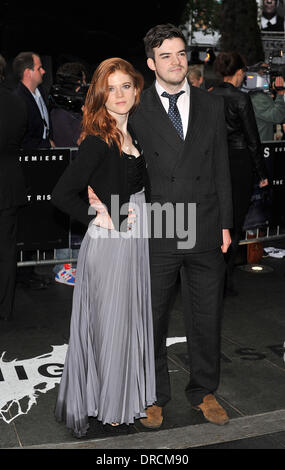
(261, 237)
(42, 258)
(52, 163)
(41, 228)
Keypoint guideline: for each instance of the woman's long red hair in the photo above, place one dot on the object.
(96, 119)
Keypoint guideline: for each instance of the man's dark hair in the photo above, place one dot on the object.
(2, 68)
(156, 35)
(23, 61)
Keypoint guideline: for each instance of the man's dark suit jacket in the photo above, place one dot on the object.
(33, 137)
(12, 129)
(195, 170)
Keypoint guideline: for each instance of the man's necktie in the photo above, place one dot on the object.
(173, 111)
(269, 24)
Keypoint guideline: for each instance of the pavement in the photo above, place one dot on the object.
(252, 386)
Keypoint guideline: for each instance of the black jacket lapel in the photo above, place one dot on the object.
(154, 112)
(197, 128)
(197, 117)
(33, 104)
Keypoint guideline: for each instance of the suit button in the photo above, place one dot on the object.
(198, 178)
(172, 179)
(156, 154)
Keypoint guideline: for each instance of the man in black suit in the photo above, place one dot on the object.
(12, 190)
(270, 19)
(29, 71)
(182, 132)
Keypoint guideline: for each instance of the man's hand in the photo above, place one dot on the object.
(131, 217)
(279, 83)
(226, 240)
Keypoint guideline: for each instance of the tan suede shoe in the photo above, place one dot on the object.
(154, 417)
(212, 411)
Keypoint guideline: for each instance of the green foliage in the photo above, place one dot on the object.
(235, 20)
(239, 29)
(203, 15)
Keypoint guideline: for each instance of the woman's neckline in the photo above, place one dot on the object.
(131, 155)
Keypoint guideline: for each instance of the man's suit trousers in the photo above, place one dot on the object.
(202, 277)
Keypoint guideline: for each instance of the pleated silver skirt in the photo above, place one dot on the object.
(109, 368)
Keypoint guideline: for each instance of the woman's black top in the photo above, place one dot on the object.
(135, 169)
(242, 131)
(108, 173)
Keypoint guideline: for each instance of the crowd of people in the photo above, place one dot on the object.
(177, 143)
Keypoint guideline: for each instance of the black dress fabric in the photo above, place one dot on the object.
(135, 166)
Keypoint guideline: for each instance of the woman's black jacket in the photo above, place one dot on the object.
(105, 170)
(241, 124)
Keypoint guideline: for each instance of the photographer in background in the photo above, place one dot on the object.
(67, 97)
(268, 111)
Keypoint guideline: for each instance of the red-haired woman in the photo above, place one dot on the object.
(109, 368)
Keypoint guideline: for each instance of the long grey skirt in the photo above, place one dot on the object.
(109, 368)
